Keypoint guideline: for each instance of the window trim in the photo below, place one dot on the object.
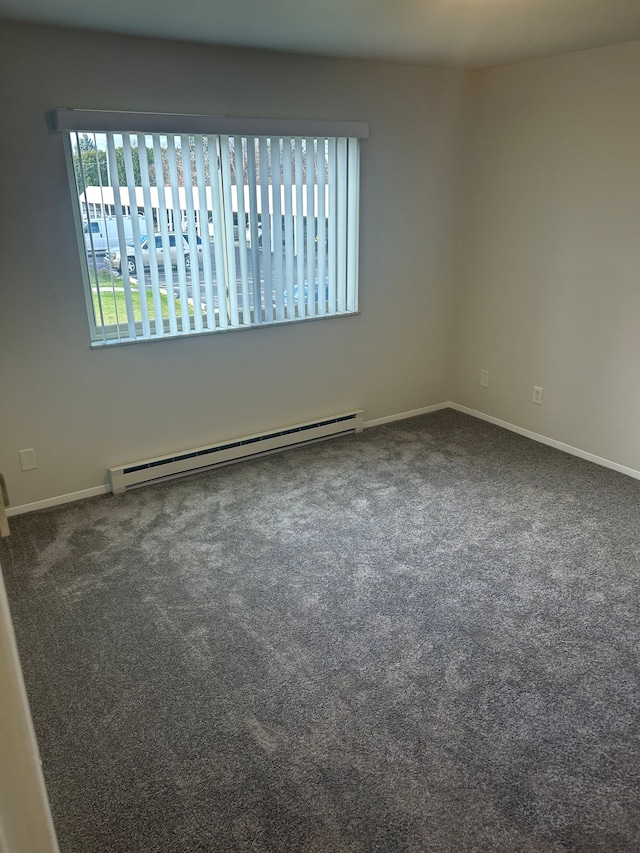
(92, 121)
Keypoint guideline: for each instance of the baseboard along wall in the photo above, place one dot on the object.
(58, 499)
(400, 416)
(551, 442)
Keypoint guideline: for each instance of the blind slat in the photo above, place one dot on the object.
(135, 225)
(93, 262)
(204, 233)
(320, 243)
(232, 283)
(164, 233)
(238, 161)
(299, 232)
(254, 230)
(265, 218)
(353, 192)
(218, 234)
(341, 223)
(277, 228)
(287, 179)
(194, 265)
(311, 227)
(148, 218)
(122, 243)
(177, 226)
(332, 225)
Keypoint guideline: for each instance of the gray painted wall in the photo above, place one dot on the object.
(549, 281)
(543, 284)
(85, 410)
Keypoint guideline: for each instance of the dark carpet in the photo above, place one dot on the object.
(422, 638)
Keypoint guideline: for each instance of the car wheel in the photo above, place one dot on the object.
(131, 266)
(187, 263)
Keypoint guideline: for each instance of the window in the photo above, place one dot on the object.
(251, 226)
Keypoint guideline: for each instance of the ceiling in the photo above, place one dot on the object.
(458, 33)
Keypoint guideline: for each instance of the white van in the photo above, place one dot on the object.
(104, 233)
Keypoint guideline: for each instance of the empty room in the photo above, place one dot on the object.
(320, 427)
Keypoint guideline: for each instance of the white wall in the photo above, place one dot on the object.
(25, 819)
(85, 410)
(549, 284)
(547, 289)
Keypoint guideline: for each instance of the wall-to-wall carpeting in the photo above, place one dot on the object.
(422, 638)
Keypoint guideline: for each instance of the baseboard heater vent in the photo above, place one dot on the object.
(147, 471)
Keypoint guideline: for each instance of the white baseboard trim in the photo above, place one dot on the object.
(551, 442)
(402, 415)
(59, 499)
(542, 439)
(101, 490)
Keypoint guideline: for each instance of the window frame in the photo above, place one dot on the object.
(98, 122)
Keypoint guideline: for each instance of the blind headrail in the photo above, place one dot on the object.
(105, 121)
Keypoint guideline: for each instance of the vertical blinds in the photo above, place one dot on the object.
(203, 232)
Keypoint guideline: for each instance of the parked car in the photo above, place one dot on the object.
(176, 241)
(236, 229)
(101, 235)
(295, 227)
(305, 292)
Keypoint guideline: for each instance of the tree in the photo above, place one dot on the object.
(92, 167)
(90, 164)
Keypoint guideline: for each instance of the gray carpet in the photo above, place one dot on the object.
(423, 638)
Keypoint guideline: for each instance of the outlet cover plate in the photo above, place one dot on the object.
(27, 459)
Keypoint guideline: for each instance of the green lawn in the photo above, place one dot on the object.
(114, 307)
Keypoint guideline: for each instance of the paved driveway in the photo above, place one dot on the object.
(198, 290)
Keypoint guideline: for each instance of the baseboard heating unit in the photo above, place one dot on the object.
(147, 471)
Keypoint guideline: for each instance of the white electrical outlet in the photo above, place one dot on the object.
(27, 459)
(484, 378)
(537, 395)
